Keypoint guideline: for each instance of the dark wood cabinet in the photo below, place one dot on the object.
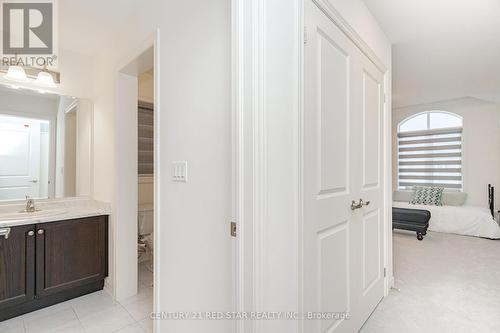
(70, 254)
(48, 263)
(17, 266)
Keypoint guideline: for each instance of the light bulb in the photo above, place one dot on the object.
(45, 79)
(16, 73)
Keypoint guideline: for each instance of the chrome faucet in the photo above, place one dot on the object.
(30, 205)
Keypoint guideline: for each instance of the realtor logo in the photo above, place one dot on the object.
(28, 28)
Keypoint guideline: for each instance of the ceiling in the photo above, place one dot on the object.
(86, 26)
(442, 49)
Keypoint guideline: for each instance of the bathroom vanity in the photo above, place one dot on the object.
(54, 254)
(53, 236)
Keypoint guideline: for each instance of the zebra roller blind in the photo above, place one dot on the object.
(430, 157)
(146, 138)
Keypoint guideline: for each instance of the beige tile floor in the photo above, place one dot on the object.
(93, 313)
(447, 283)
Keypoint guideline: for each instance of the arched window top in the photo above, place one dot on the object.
(430, 120)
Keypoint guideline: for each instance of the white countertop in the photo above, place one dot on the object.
(11, 214)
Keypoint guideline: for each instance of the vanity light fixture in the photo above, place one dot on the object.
(35, 77)
(45, 79)
(16, 73)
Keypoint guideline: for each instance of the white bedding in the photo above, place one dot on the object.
(462, 220)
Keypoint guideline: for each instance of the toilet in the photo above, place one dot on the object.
(145, 220)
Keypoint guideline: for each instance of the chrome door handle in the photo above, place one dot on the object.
(34, 181)
(357, 205)
(5, 232)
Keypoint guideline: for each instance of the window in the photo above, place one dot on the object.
(146, 139)
(430, 151)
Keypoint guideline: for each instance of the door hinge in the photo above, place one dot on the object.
(305, 35)
(233, 229)
(385, 272)
(385, 98)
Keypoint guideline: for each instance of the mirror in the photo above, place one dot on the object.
(45, 145)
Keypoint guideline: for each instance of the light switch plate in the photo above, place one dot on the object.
(179, 171)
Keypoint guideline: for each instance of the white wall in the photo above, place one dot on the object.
(481, 143)
(195, 126)
(28, 104)
(63, 103)
(85, 148)
(83, 134)
(124, 204)
(364, 23)
(76, 74)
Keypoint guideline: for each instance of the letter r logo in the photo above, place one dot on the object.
(27, 28)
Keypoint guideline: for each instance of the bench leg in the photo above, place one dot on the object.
(420, 236)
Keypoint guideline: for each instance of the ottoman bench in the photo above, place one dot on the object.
(412, 220)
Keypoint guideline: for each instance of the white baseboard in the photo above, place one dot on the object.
(391, 282)
(108, 287)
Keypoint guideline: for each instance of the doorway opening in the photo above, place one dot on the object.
(145, 167)
(136, 175)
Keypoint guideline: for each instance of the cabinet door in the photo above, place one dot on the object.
(70, 254)
(17, 266)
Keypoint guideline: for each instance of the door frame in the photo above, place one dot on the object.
(125, 232)
(251, 144)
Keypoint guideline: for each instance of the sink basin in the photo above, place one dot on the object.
(33, 215)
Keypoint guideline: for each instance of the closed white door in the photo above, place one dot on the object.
(19, 158)
(343, 252)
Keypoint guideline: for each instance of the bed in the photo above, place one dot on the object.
(463, 220)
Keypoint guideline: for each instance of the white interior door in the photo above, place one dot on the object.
(369, 226)
(343, 252)
(19, 157)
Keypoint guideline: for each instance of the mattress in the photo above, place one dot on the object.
(461, 220)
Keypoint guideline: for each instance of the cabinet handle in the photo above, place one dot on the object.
(31, 233)
(40, 231)
(5, 232)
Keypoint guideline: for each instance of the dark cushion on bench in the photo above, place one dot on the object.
(410, 226)
(410, 219)
(411, 215)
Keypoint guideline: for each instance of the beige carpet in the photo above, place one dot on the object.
(448, 283)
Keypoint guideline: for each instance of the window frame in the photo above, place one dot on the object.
(428, 114)
(429, 128)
